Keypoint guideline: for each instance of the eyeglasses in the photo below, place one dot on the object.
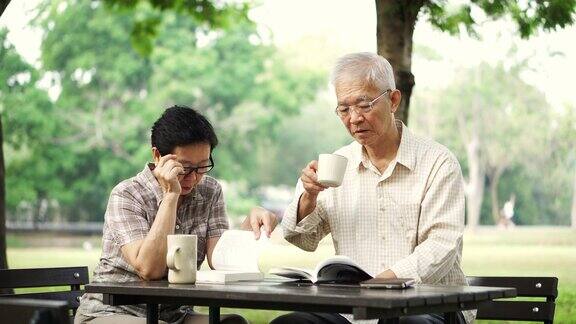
(199, 169)
(362, 107)
(188, 170)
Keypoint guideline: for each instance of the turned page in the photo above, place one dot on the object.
(238, 250)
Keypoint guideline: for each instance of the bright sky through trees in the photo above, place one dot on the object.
(349, 25)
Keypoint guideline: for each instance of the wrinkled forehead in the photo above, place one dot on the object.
(351, 92)
(193, 154)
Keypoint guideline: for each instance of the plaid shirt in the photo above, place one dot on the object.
(409, 218)
(131, 210)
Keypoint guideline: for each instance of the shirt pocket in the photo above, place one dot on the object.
(409, 218)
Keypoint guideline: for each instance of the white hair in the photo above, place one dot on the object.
(366, 68)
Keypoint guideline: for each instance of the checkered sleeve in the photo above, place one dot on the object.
(126, 217)
(307, 233)
(441, 227)
(217, 219)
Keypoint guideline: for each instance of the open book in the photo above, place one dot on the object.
(337, 269)
(234, 258)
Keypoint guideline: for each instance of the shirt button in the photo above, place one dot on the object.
(177, 226)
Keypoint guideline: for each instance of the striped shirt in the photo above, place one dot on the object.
(132, 207)
(409, 218)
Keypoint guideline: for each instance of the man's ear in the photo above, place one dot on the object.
(395, 98)
(156, 154)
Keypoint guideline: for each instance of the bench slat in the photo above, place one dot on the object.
(70, 296)
(516, 310)
(525, 286)
(24, 310)
(519, 310)
(43, 277)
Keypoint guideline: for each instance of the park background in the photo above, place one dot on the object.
(82, 81)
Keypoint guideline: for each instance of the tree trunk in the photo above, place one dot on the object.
(3, 5)
(494, 177)
(474, 188)
(574, 203)
(395, 27)
(3, 259)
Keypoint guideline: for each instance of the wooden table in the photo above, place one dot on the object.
(277, 295)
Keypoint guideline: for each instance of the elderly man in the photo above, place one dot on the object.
(400, 209)
(173, 195)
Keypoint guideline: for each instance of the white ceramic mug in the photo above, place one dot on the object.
(181, 258)
(331, 169)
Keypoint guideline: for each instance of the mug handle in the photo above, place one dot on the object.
(171, 258)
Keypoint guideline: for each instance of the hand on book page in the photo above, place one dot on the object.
(235, 258)
(336, 269)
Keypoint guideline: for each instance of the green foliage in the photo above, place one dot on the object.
(449, 19)
(517, 131)
(529, 16)
(316, 130)
(236, 80)
(149, 14)
(101, 79)
(69, 153)
(24, 109)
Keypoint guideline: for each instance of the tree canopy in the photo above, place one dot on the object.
(96, 131)
(509, 140)
(396, 21)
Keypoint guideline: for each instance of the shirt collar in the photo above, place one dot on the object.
(405, 155)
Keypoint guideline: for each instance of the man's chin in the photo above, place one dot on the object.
(361, 138)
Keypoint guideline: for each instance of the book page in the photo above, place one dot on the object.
(225, 276)
(340, 268)
(335, 259)
(237, 250)
(336, 268)
(293, 273)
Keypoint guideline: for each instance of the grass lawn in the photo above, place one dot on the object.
(537, 251)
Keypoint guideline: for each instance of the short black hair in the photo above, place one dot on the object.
(181, 126)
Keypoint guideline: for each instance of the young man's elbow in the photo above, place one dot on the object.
(150, 273)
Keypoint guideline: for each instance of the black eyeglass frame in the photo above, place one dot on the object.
(188, 170)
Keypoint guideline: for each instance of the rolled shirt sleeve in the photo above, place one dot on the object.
(307, 233)
(125, 217)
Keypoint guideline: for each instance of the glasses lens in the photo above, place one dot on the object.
(204, 169)
(342, 111)
(186, 171)
(364, 107)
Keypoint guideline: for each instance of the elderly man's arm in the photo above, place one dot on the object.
(440, 229)
(305, 232)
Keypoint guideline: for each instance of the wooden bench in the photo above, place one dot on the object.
(39, 311)
(74, 277)
(520, 310)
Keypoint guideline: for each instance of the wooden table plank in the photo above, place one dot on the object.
(364, 303)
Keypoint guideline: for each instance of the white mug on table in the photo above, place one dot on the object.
(181, 258)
